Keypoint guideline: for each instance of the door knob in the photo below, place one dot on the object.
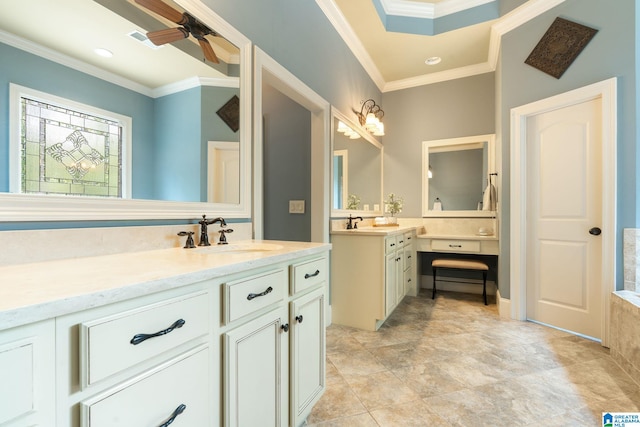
(595, 231)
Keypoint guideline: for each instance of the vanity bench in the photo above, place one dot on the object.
(458, 252)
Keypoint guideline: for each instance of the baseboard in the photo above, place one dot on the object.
(504, 306)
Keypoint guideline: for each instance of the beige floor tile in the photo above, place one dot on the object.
(453, 361)
(412, 414)
(339, 401)
(380, 389)
(356, 363)
(361, 420)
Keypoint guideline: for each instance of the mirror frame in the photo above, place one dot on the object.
(336, 114)
(426, 212)
(19, 207)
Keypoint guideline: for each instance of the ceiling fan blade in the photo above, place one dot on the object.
(164, 10)
(209, 54)
(169, 35)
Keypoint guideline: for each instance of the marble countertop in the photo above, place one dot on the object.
(38, 291)
(375, 231)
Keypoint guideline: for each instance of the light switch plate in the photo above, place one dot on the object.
(296, 206)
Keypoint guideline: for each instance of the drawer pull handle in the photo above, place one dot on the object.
(307, 276)
(261, 294)
(392, 244)
(137, 339)
(285, 327)
(299, 318)
(455, 246)
(180, 409)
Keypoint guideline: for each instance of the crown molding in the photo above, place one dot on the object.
(192, 82)
(427, 10)
(508, 22)
(427, 79)
(337, 19)
(67, 61)
(92, 70)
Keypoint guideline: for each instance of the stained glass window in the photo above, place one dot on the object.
(69, 152)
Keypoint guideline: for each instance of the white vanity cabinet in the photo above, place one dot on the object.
(274, 347)
(27, 375)
(144, 361)
(370, 271)
(167, 338)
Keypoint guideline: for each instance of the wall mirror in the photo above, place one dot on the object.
(177, 103)
(356, 169)
(456, 175)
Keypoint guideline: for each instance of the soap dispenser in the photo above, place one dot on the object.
(437, 204)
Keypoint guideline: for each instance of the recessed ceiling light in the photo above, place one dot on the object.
(433, 60)
(103, 52)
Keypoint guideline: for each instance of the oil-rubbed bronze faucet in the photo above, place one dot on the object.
(204, 235)
(351, 224)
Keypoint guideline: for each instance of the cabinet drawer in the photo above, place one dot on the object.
(408, 238)
(308, 274)
(107, 343)
(247, 295)
(455, 245)
(153, 399)
(391, 244)
(408, 255)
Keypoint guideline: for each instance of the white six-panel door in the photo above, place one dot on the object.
(564, 216)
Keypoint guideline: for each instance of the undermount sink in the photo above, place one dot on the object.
(238, 248)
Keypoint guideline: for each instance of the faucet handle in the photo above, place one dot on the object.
(223, 237)
(189, 243)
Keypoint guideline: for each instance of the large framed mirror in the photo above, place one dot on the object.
(178, 101)
(458, 177)
(356, 169)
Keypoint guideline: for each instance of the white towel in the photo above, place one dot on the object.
(489, 198)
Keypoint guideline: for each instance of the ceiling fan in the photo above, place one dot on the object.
(189, 25)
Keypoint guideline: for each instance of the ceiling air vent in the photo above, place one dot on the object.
(142, 38)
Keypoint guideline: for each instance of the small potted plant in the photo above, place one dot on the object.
(393, 206)
(353, 201)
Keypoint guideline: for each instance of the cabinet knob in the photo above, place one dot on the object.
(299, 318)
(285, 327)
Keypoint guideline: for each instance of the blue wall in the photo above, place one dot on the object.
(611, 53)
(170, 133)
(40, 74)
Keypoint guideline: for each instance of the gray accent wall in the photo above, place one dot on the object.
(452, 109)
(286, 166)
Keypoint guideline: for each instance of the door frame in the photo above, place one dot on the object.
(267, 70)
(606, 90)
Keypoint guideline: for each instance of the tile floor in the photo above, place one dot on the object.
(454, 362)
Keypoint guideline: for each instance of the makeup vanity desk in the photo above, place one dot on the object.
(458, 244)
(464, 247)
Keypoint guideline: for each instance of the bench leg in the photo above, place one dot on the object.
(484, 286)
(433, 295)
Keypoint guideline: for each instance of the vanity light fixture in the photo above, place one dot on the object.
(342, 128)
(430, 173)
(370, 116)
